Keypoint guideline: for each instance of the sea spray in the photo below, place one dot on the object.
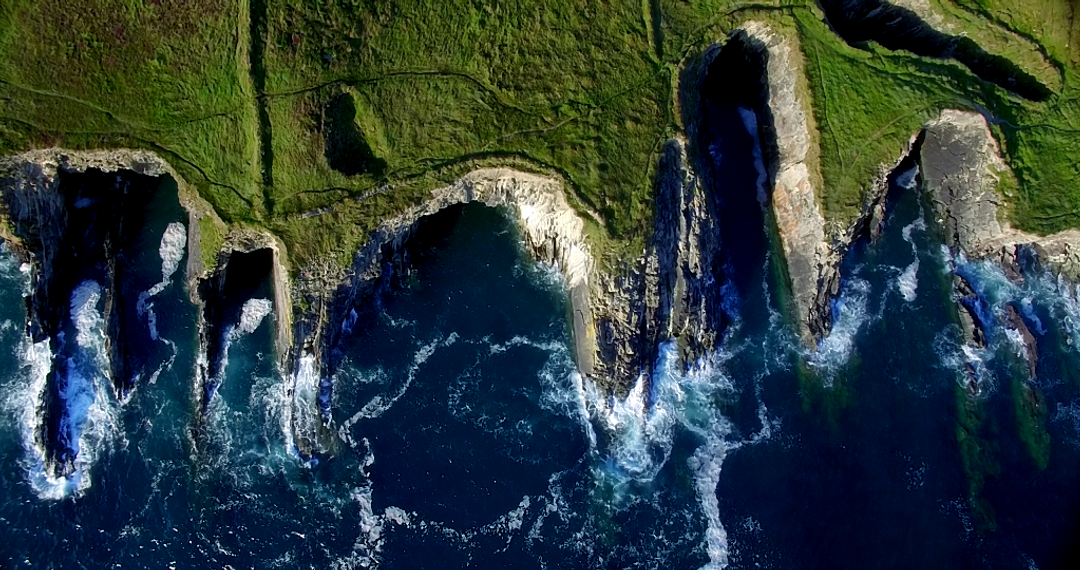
(303, 407)
(640, 435)
(850, 314)
(88, 421)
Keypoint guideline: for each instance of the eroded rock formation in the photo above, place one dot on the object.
(961, 166)
(812, 265)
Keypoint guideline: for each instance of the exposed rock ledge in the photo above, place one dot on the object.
(812, 265)
(552, 231)
(961, 165)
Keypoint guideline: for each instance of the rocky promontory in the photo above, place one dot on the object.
(962, 169)
(812, 265)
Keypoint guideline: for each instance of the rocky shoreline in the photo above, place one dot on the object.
(619, 317)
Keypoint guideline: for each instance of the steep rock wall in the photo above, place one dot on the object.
(30, 180)
(812, 265)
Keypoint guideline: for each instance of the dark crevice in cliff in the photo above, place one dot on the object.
(358, 303)
(82, 242)
(898, 28)
(736, 155)
(904, 177)
(708, 252)
(242, 277)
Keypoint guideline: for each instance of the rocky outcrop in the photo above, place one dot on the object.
(1029, 346)
(812, 265)
(961, 167)
(669, 292)
(73, 217)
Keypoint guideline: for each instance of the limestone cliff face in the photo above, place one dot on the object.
(961, 164)
(811, 263)
(553, 232)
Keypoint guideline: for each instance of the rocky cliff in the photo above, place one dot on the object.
(812, 265)
(670, 292)
(961, 168)
(553, 233)
(30, 182)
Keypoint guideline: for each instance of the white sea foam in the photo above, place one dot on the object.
(382, 402)
(251, 316)
(303, 411)
(88, 421)
(171, 249)
(749, 119)
(26, 400)
(908, 179)
(640, 432)
(706, 464)
(908, 282)
(851, 314)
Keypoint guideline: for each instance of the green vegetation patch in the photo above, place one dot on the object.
(162, 75)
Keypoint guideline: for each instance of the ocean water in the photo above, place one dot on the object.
(466, 439)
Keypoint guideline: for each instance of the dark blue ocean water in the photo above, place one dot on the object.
(467, 439)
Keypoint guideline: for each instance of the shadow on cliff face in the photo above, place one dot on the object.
(733, 142)
(357, 307)
(897, 28)
(246, 276)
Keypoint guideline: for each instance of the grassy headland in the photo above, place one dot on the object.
(252, 101)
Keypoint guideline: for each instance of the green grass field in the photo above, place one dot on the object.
(254, 102)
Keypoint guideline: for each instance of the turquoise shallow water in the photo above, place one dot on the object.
(467, 439)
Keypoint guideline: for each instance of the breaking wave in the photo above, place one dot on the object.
(89, 418)
(640, 429)
(850, 314)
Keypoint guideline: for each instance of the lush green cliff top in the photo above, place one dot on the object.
(317, 119)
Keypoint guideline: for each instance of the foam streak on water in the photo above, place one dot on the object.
(749, 119)
(383, 402)
(251, 316)
(171, 250)
(908, 282)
